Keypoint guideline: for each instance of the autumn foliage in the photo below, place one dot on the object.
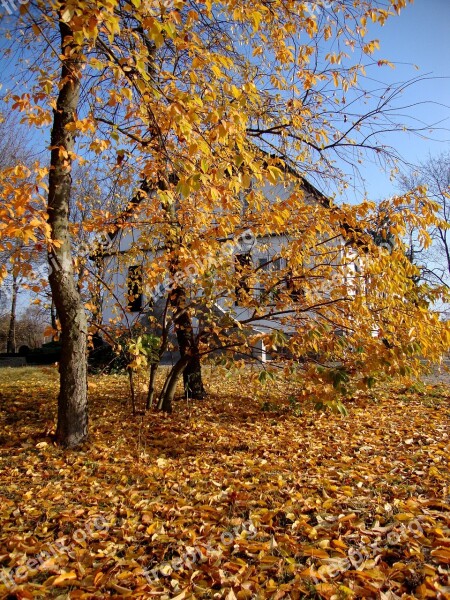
(186, 110)
(248, 495)
(182, 126)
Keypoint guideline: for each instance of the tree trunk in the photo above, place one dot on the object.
(97, 300)
(170, 385)
(72, 427)
(54, 320)
(11, 341)
(132, 391)
(151, 385)
(192, 374)
(187, 344)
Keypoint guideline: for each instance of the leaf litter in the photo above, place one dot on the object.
(238, 496)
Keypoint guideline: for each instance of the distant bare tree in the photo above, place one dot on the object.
(14, 145)
(29, 328)
(14, 149)
(434, 173)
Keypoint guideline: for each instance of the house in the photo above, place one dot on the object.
(252, 272)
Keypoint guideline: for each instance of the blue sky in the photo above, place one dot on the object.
(419, 36)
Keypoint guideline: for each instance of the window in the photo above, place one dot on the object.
(287, 280)
(294, 287)
(241, 264)
(134, 283)
(269, 264)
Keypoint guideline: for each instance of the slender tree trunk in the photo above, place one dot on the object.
(11, 341)
(97, 292)
(192, 373)
(72, 427)
(132, 390)
(54, 320)
(170, 385)
(155, 365)
(151, 385)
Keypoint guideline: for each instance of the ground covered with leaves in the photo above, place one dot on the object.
(245, 495)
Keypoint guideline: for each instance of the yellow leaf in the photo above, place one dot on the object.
(316, 552)
(67, 15)
(64, 578)
(181, 596)
(442, 555)
(123, 591)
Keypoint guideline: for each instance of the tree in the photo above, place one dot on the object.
(256, 112)
(72, 425)
(13, 150)
(210, 105)
(434, 175)
(29, 330)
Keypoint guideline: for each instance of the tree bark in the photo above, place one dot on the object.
(192, 378)
(151, 385)
(187, 344)
(72, 427)
(170, 385)
(11, 340)
(132, 390)
(54, 321)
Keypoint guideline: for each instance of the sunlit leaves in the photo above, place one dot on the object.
(199, 102)
(353, 505)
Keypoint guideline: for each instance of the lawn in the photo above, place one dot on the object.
(247, 495)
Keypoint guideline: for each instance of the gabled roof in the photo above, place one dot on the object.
(352, 234)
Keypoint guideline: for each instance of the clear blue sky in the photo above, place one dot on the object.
(419, 36)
